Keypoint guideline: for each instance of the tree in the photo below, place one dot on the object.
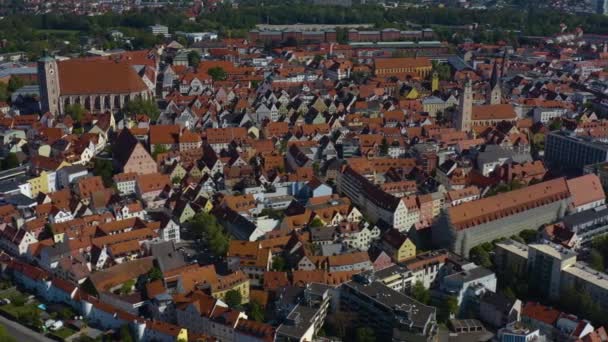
(420, 293)
(10, 162)
(127, 286)
(255, 311)
(175, 180)
(448, 307)
(555, 125)
(316, 223)
(76, 111)
(141, 106)
(233, 298)
(194, 58)
(104, 169)
(443, 70)
(14, 83)
(480, 256)
(4, 93)
(217, 73)
(66, 313)
(279, 264)
(365, 334)
(529, 235)
(155, 274)
(158, 149)
(206, 226)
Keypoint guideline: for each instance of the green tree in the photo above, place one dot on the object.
(66, 313)
(365, 334)
(207, 228)
(194, 58)
(158, 149)
(10, 162)
(555, 125)
(127, 286)
(76, 111)
(4, 93)
(480, 256)
(448, 307)
(233, 298)
(279, 264)
(529, 235)
(420, 293)
(316, 223)
(104, 169)
(141, 106)
(15, 83)
(217, 73)
(443, 70)
(155, 274)
(255, 311)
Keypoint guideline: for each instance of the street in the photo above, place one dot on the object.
(21, 333)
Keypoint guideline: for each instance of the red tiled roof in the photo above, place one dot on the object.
(92, 76)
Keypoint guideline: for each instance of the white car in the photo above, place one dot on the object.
(49, 323)
(56, 326)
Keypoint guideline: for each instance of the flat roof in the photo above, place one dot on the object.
(588, 275)
(393, 300)
(514, 247)
(554, 251)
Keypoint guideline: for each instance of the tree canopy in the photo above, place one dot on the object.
(233, 298)
(420, 293)
(76, 111)
(206, 226)
(194, 58)
(217, 73)
(141, 106)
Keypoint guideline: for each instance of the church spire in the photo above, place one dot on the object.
(494, 77)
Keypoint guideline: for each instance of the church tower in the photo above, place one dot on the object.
(494, 95)
(465, 110)
(435, 82)
(48, 78)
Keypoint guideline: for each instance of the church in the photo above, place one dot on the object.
(98, 84)
(490, 114)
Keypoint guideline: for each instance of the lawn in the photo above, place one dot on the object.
(9, 293)
(63, 333)
(15, 311)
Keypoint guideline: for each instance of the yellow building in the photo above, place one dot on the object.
(420, 67)
(44, 183)
(398, 245)
(435, 82)
(236, 281)
(183, 335)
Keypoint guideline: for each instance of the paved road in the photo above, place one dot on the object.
(21, 333)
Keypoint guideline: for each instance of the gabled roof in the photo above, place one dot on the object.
(93, 76)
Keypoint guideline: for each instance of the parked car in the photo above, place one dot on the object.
(49, 323)
(56, 326)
